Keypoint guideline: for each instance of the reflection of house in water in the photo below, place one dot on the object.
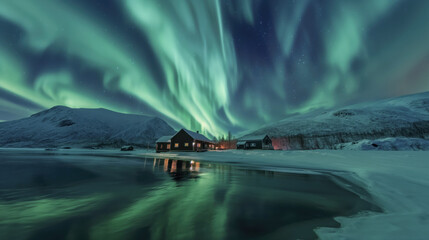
(178, 169)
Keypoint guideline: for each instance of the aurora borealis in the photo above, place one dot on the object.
(213, 65)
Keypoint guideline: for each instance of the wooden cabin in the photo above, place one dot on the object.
(163, 144)
(255, 142)
(184, 140)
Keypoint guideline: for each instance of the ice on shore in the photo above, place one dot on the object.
(397, 181)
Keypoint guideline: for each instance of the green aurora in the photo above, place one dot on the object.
(212, 65)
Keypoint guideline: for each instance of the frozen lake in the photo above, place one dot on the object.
(55, 195)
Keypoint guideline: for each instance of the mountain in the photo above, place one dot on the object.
(62, 126)
(406, 116)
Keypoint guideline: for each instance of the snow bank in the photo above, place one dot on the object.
(387, 144)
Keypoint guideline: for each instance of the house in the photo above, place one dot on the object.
(255, 142)
(184, 140)
(163, 144)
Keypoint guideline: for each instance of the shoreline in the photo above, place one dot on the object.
(395, 185)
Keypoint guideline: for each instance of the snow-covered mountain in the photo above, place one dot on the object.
(62, 126)
(406, 116)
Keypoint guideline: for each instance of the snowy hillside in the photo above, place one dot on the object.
(386, 144)
(406, 116)
(62, 126)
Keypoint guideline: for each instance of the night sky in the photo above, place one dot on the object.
(210, 65)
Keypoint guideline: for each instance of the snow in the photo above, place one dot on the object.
(164, 139)
(387, 144)
(253, 138)
(196, 136)
(406, 116)
(398, 182)
(63, 126)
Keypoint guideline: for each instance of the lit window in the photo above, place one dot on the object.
(176, 145)
(160, 146)
(186, 144)
(198, 144)
(168, 146)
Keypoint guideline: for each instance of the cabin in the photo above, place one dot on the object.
(163, 144)
(184, 140)
(255, 142)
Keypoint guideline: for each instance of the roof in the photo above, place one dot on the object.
(197, 136)
(252, 138)
(241, 143)
(164, 139)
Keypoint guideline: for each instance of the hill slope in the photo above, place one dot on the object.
(406, 116)
(63, 126)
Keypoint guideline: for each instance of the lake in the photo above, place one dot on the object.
(57, 195)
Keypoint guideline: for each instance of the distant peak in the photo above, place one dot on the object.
(58, 108)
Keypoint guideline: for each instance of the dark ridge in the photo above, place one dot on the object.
(65, 123)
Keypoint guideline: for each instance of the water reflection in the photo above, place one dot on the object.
(178, 170)
(163, 199)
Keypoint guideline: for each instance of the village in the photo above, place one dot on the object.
(186, 140)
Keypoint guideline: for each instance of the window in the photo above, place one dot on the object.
(160, 146)
(198, 144)
(186, 144)
(176, 145)
(168, 146)
(253, 144)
